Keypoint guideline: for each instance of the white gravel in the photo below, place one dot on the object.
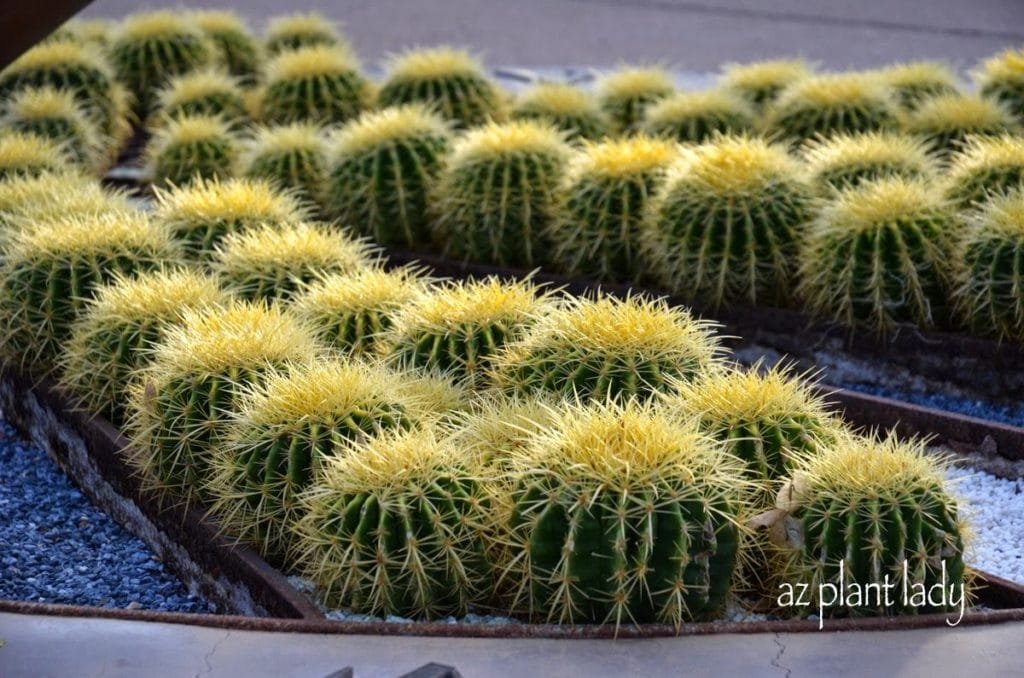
(995, 516)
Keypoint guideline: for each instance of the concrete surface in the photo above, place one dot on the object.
(39, 647)
(697, 35)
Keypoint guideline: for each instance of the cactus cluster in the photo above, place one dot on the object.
(984, 167)
(292, 157)
(696, 117)
(945, 121)
(319, 84)
(625, 94)
(191, 148)
(56, 115)
(847, 160)
(824, 105)
(761, 82)
(236, 50)
(570, 109)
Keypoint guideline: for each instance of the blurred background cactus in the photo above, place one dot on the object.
(292, 157)
(318, 84)
(761, 82)
(294, 31)
(985, 166)
(696, 117)
(236, 49)
(824, 105)
(208, 92)
(56, 115)
(917, 81)
(1001, 78)
(624, 94)
(847, 160)
(945, 121)
(191, 148)
(571, 109)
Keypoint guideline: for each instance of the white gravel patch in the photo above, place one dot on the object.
(995, 517)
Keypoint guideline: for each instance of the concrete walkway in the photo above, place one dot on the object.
(38, 647)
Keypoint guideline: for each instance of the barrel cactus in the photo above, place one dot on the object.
(984, 166)
(696, 117)
(295, 31)
(917, 81)
(272, 262)
(191, 148)
(117, 331)
(570, 109)
(604, 198)
(990, 268)
(725, 226)
(869, 512)
(824, 105)
(604, 347)
(450, 82)
(497, 195)
(84, 31)
(945, 122)
(847, 160)
(877, 255)
(207, 92)
(51, 269)
(352, 312)
(625, 94)
(28, 200)
(395, 526)
(182, 401)
(293, 157)
(201, 214)
(55, 114)
(1001, 78)
(150, 48)
(456, 328)
(29, 155)
(498, 429)
(320, 85)
(236, 50)
(623, 514)
(761, 82)
(382, 167)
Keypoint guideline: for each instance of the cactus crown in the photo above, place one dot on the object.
(285, 246)
(622, 157)
(1007, 65)
(49, 55)
(309, 61)
(838, 89)
(691, 104)
(219, 21)
(188, 129)
(557, 98)
(373, 129)
(251, 201)
(160, 293)
(882, 202)
(735, 164)
(147, 25)
(367, 287)
(845, 159)
(430, 64)
(497, 429)
(469, 303)
(919, 76)
(295, 30)
(29, 154)
(631, 82)
(982, 154)
(84, 234)
(296, 136)
(44, 102)
(25, 200)
(96, 31)
(508, 139)
(952, 112)
(763, 77)
(1003, 215)
(199, 84)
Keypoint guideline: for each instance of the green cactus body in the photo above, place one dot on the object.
(696, 117)
(878, 255)
(51, 269)
(990, 268)
(497, 195)
(182, 401)
(604, 200)
(824, 105)
(203, 92)
(297, 31)
(915, 82)
(847, 160)
(201, 214)
(457, 328)
(622, 514)
(273, 262)
(236, 49)
(292, 157)
(151, 48)
(117, 330)
(189, 149)
(570, 109)
(55, 115)
(626, 93)
(448, 81)
(320, 85)
(946, 121)
(26, 155)
(382, 168)
(287, 427)
(985, 166)
(353, 312)
(878, 510)
(395, 527)
(607, 348)
(1001, 78)
(725, 225)
(761, 82)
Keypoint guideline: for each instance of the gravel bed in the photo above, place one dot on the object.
(995, 517)
(1004, 414)
(55, 547)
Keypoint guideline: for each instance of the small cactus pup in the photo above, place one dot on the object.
(624, 94)
(877, 256)
(292, 157)
(917, 81)
(497, 195)
(395, 526)
(824, 105)
(320, 85)
(150, 48)
(55, 114)
(866, 512)
(696, 117)
(725, 224)
(596, 349)
(235, 48)
(945, 121)
(206, 91)
(382, 167)
(990, 268)
(623, 514)
(285, 429)
(984, 166)
(295, 31)
(1001, 78)
(449, 81)
(571, 109)
(352, 312)
(847, 160)
(200, 214)
(604, 199)
(51, 269)
(456, 328)
(25, 154)
(272, 262)
(182, 401)
(191, 148)
(118, 329)
(761, 82)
